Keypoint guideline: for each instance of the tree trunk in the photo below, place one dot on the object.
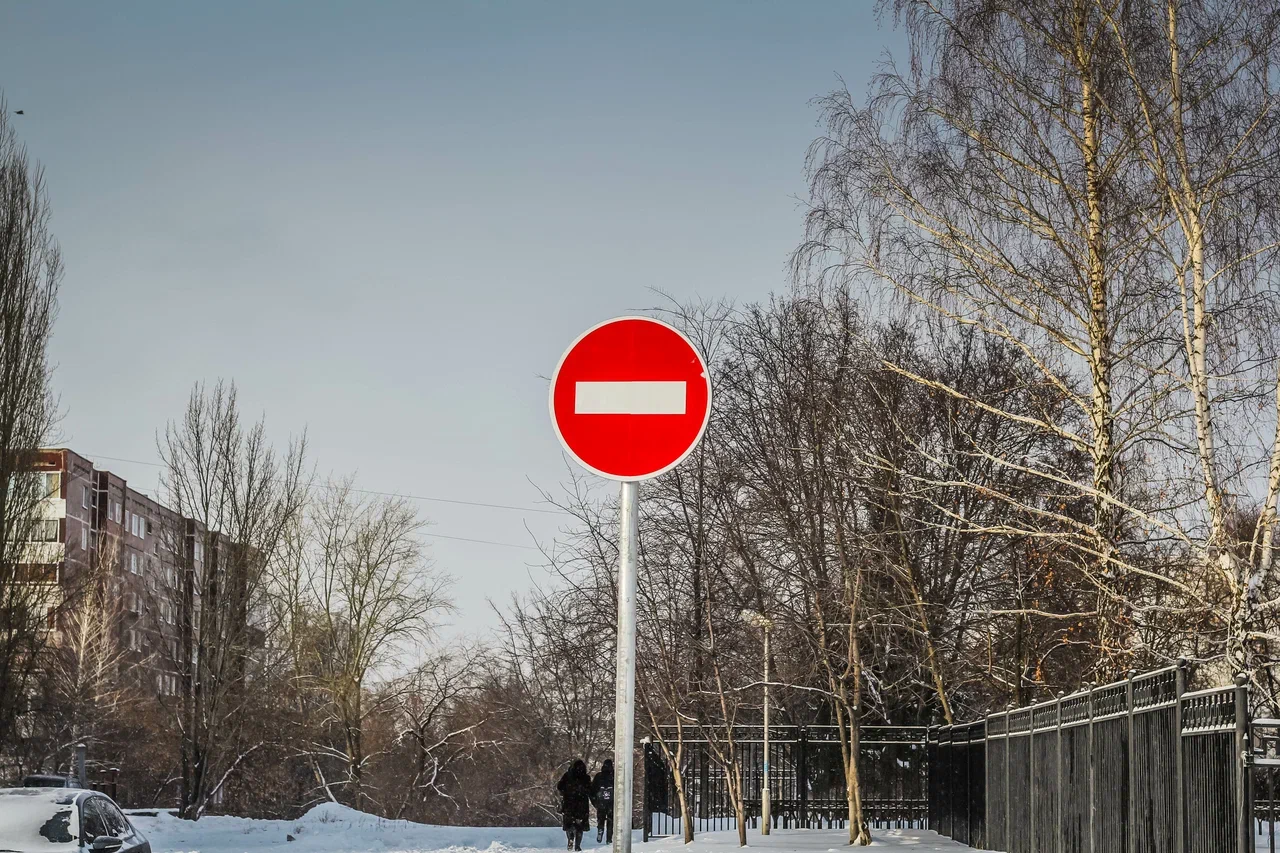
(686, 819)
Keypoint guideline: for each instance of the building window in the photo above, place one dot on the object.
(36, 572)
(45, 530)
(199, 551)
(84, 538)
(133, 563)
(84, 497)
(49, 483)
(168, 683)
(134, 639)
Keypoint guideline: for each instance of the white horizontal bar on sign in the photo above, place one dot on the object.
(629, 398)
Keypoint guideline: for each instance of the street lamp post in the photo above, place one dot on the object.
(759, 620)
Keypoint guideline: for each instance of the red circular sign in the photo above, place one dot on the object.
(630, 398)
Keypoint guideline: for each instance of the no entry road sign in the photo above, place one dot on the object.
(630, 398)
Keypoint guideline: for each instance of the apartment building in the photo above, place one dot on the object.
(94, 522)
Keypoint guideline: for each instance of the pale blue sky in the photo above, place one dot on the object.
(385, 221)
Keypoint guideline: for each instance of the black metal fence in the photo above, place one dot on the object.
(1140, 766)
(806, 779)
(1265, 759)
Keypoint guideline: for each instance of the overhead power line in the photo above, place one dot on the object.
(408, 497)
(481, 541)
(456, 501)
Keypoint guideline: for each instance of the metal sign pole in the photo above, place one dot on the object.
(625, 700)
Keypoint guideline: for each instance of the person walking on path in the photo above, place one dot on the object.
(575, 802)
(602, 796)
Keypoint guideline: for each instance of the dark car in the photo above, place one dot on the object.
(65, 820)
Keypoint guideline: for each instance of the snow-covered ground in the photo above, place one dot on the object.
(331, 828)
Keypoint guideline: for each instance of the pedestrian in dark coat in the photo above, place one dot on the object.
(602, 796)
(575, 802)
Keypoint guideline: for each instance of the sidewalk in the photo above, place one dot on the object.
(805, 841)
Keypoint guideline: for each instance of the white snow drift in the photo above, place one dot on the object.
(332, 828)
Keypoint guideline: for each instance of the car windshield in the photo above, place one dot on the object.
(37, 820)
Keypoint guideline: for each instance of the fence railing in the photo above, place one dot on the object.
(806, 779)
(1139, 766)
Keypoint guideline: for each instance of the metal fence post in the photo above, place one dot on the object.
(988, 824)
(1008, 788)
(1061, 804)
(1031, 789)
(646, 763)
(1092, 786)
(1131, 818)
(946, 788)
(967, 787)
(1179, 801)
(933, 796)
(802, 777)
(1245, 767)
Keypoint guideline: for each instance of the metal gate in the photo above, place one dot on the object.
(806, 779)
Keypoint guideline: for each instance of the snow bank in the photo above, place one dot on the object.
(332, 828)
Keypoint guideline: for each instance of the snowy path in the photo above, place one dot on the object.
(336, 829)
(806, 841)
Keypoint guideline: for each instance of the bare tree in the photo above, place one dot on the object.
(234, 498)
(30, 270)
(990, 185)
(373, 594)
(425, 702)
(1207, 131)
(85, 688)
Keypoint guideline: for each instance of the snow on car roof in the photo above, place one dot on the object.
(39, 820)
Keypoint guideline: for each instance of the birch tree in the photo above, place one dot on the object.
(1206, 129)
(985, 184)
